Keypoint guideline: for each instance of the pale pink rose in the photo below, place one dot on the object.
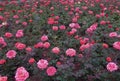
(46, 45)
(72, 25)
(51, 71)
(3, 78)
(111, 66)
(19, 33)
(116, 45)
(20, 45)
(70, 52)
(11, 54)
(113, 34)
(56, 50)
(42, 64)
(21, 74)
(44, 38)
(55, 28)
(74, 30)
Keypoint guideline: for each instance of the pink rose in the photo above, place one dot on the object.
(1, 39)
(103, 22)
(113, 34)
(92, 28)
(24, 23)
(42, 64)
(11, 54)
(74, 19)
(116, 45)
(51, 20)
(55, 28)
(2, 61)
(51, 71)
(44, 38)
(74, 30)
(111, 66)
(46, 45)
(21, 74)
(8, 35)
(77, 25)
(3, 78)
(70, 52)
(20, 45)
(72, 25)
(62, 27)
(19, 33)
(15, 16)
(2, 42)
(85, 46)
(28, 49)
(38, 45)
(56, 50)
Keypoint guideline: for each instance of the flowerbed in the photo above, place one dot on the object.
(60, 40)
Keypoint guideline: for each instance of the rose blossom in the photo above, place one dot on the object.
(21, 74)
(51, 20)
(11, 54)
(44, 38)
(3, 78)
(2, 42)
(2, 61)
(111, 66)
(85, 46)
(70, 52)
(72, 25)
(51, 71)
(56, 50)
(39, 45)
(46, 45)
(116, 45)
(19, 33)
(42, 64)
(55, 28)
(8, 35)
(24, 23)
(31, 60)
(20, 45)
(113, 34)
(92, 28)
(15, 16)
(62, 27)
(28, 49)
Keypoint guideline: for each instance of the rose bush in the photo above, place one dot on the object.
(59, 40)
